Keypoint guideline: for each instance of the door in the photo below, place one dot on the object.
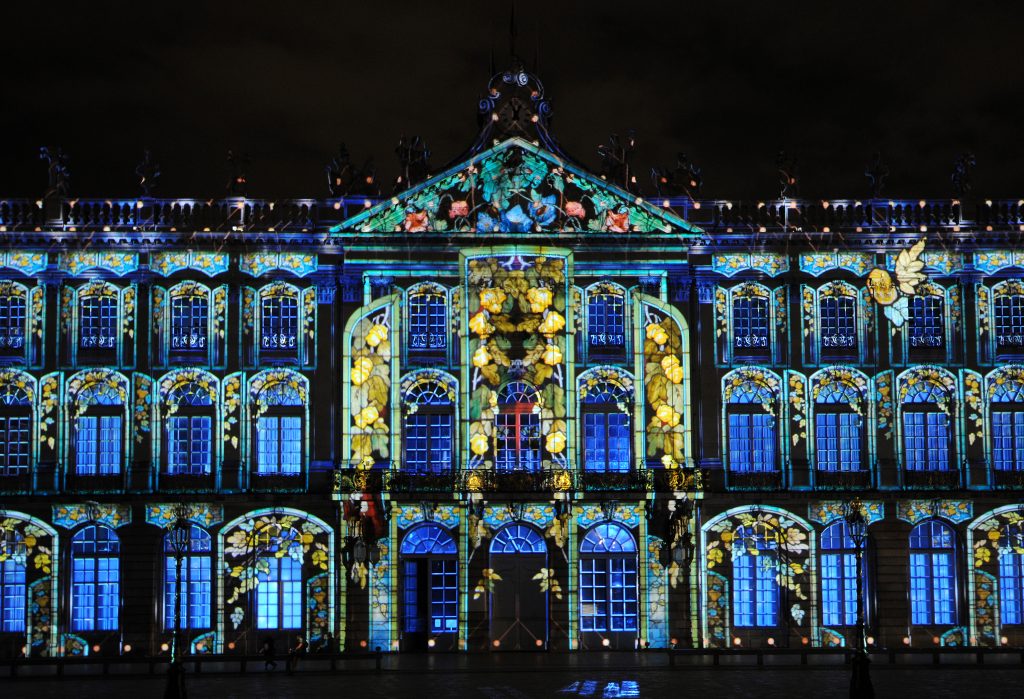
(415, 606)
(519, 608)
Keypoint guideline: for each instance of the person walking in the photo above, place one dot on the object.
(295, 653)
(267, 651)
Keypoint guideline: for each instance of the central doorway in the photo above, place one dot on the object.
(429, 589)
(519, 608)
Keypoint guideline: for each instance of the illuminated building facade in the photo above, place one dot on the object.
(513, 407)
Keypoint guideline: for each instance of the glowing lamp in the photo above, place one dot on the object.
(665, 203)
(431, 643)
(106, 229)
(771, 641)
(494, 116)
(870, 640)
(1004, 640)
(988, 202)
(127, 647)
(496, 643)
(762, 229)
(96, 648)
(139, 205)
(675, 641)
(922, 203)
(826, 229)
(696, 204)
(736, 641)
(805, 640)
(935, 640)
(337, 205)
(539, 643)
(924, 229)
(906, 640)
(606, 642)
(164, 647)
(362, 644)
(231, 645)
(988, 228)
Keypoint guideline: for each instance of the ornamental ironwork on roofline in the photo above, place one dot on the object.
(716, 217)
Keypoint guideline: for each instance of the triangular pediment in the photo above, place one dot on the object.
(516, 187)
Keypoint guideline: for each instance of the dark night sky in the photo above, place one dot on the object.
(729, 82)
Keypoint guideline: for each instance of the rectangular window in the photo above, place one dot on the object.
(12, 324)
(608, 594)
(927, 325)
(444, 596)
(606, 442)
(196, 592)
(98, 445)
(189, 445)
(839, 588)
(279, 446)
(606, 322)
(13, 594)
(932, 588)
(95, 590)
(837, 441)
(15, 445)
(1009, 316)
(756, 592)
(518, 441)
(411, 621)
(428, 442)
(926, 441)
(98, 323)
(428, 322)
(1011, 585)
(280, 323)
(189, 323)
(279, 594)
(750, 326)
(751, 443)
(838, 325)
(1008, 440)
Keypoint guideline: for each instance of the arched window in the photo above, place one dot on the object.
(605, 409)
(429, 428)
(428, 320)
(99, 436)
(751, 431)
(838, 429)
(1009, 324)
(430, 586)
(13, 590)
(95, 579)
(15, 430)
(279, 593)
(190, 431)
(927, 324)
(517, 538)
(190, 322)
(755, 590)
(837, 312)
(196, 581)
(608, 580)
(933, 582)
(1011, 574)
(517, 425)
(1007, 406)
(927, 438)
(750, 325)
(838, 576)
(606, 320)
(279, 321)
(280, 427)
(13, 320)
(97, 322)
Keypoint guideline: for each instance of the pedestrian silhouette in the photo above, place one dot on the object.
(267, 651)
(295, 653)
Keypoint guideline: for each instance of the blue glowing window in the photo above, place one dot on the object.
(838, 316)
(755, 592)
(97, 323)
(428, 322)
(1011, 575)
(926, 440)
(751, 443)
(837, 440)
(1009, 317)
(189, 323)
(98, 445)
(279, 593)
(13, 595)
(518, 429)
(279, 446)
(608, 593)
(428, 442)
(279, 328)
(517, 538)
(927, 322)
(838, 576)
(196, 582)
(750, 326)
(15, 445)
(606, 442)
(1008, 440)
(606, 322)
(95, 579)
(932, 574)
(444, 595)
(190, 440)
(12, 323)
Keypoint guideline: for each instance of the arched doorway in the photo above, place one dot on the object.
(519, 607)
(429, 589)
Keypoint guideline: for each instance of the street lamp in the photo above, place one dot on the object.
(857, 528)
(180, 541)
